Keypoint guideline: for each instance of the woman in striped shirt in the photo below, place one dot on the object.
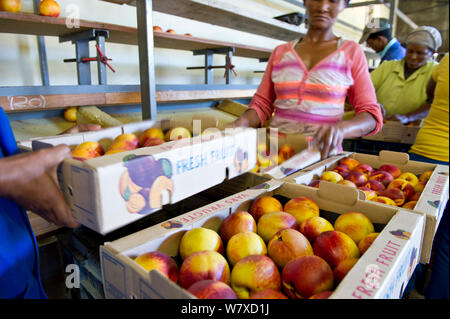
(307, 81)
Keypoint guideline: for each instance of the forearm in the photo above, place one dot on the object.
(418, 114)
(12, 169)
(360, 125)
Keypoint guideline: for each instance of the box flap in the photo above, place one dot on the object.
(390, 157)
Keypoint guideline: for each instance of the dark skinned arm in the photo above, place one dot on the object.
(331, 136)
(248, 119)
(422, 111)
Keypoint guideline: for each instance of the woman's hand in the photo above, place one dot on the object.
(328, 138)
(29, 179)
(248, 119)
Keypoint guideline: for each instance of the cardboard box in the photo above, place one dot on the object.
(305, 153)
(432, 202)
(382, 272)
(396, 132)
(108, 192)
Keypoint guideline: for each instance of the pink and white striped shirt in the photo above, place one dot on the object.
(298, 100)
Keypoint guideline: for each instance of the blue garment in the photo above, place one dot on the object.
(438, 286)
(394, 51)
(19, 259)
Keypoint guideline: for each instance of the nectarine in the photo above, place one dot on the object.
(355, 224)
(269, 224)
(384, 200)
(410, 204)
(306, 276)
(364, 168)
(268, 294)
(263, 205)
(331, 176)
(351, 163)
(395, 194)
(254, 273)
(10, 5)
(343, 268)
(212, 289)
(49, 8)
(204, 265)
(286, 245)
(198, 239)
(365, 243)
(425, 176)
(302, 208)
(237, 222)
(358, 178)
(245, 244)
(382, 176)
(410, 177)
(335, 246)
(157, 260)
(391, 169)
(314, 226)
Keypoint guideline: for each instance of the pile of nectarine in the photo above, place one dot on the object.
(266, 160)
(126, 142)
(387, 184)
(270, 252)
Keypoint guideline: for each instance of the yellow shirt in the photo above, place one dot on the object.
(432, 139)
(397, 95)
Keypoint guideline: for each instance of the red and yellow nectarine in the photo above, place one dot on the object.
(237, 222)
(306, 276)
(204, 265)
(157, 260)
(212, 289)
(335, 246)
(269, 224)
(254, 273)
(301, 208)
(263, 205)
(286, 245)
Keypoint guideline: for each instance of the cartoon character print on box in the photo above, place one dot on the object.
(144, 181)
(240, 161)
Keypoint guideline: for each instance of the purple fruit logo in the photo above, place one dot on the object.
(144, 181)
(261, 186)
(240, 161)
(172, 224)
(402, 234)
(435, 203)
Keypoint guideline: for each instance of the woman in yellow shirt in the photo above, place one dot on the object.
(432, 139)
(431, 146)
(401, 85)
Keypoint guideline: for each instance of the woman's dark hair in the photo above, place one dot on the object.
(384, 33)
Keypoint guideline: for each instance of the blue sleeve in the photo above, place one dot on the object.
(7, 140)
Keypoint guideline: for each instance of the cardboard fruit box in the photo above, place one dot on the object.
(433, 198)
(396, 132)
(382, 271)
(108, 192)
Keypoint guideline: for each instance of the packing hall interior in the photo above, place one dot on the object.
(168, 149)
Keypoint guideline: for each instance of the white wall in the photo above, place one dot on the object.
(19, 63)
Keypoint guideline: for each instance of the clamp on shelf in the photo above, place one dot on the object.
(208, 67)
(81, 41)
